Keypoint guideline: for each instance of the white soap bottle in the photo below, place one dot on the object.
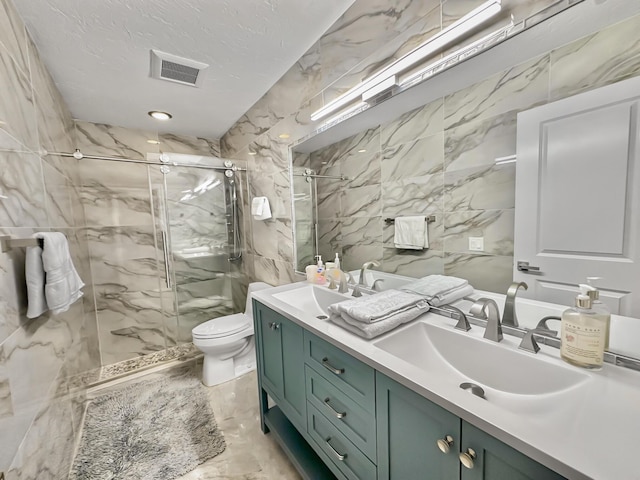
(320, 278)
(337, 261)
(583, 334)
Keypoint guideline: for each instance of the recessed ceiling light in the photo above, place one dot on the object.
(362, 150)
(153, 142)
(252, 153)
(284, 135)
(160, 115)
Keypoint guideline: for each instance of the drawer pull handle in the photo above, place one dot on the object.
(467, 458)
(274, 326)
(444, 444)
(339, 456)
(331, 368)
(335, 412)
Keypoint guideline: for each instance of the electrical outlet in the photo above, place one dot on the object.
(476, 244)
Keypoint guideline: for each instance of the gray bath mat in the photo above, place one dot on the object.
(150, 430)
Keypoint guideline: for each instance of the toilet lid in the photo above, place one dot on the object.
(222, 327)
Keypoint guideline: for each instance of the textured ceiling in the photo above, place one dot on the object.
(98, 55)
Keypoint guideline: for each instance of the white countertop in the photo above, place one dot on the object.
(591, 432)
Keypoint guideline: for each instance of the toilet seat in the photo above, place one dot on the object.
(222, 326)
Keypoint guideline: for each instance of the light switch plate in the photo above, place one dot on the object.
(476, 244)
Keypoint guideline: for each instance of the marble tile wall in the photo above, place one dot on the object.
(438, 158)
(39, 193)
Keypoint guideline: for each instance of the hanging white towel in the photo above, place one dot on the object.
(34, 273)
(62, 284)
(411, 232)
(260, 208)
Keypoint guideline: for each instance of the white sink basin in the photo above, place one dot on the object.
(463, 356)
(311, 299)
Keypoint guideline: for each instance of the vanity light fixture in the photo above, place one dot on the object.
(457, 56)
(349, 112)
(160, 115)
(386, 78)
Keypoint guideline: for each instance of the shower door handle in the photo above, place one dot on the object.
(165, 250)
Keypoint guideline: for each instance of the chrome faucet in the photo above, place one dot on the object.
(463, 323)
(487, 309)
(342, 279)
(366, 265)
(509, 314)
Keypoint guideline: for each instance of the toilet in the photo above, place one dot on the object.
(227, 343)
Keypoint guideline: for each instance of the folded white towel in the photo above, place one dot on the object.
(452, 296)
(371, 330)
(34, 273)
(62, 284)
(380, 306)
(411, 232)
(433, 285)
(260, 208)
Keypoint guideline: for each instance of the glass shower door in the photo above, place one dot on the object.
(193, 231)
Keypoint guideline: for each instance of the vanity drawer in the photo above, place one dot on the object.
(345, 455)
(351, 376)
(353, 421)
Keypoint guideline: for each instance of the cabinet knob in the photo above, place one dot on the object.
(274, 325)
(467, 458)
(444, 444)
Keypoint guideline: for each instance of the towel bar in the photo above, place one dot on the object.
(7, 243)
(429, 219)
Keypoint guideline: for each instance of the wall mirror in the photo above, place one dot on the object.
(444, 147)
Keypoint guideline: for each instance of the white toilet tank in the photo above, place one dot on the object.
(253, 287)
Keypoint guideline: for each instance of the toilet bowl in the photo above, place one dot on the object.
(227, 343)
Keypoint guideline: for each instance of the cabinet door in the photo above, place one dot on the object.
(293, 384)
(270, 324)
(497, 461)
(409, 427)
(282, 363)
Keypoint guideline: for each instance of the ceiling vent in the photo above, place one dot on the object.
(172, 68)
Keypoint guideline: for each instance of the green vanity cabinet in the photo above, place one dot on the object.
(409, 427)
(412, 430)
(281, 362)
(337, 417)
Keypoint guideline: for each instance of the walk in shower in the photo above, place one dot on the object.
(164, 246)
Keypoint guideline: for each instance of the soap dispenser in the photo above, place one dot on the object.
(320, 278)
(583, 333)
(599, 306)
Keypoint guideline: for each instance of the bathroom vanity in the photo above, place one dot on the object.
(392, 407)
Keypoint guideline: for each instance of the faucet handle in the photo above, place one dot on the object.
(528, 342)
(356, 291)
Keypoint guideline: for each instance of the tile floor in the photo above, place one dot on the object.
(250, 455)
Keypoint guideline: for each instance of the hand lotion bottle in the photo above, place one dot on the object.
(583, 334)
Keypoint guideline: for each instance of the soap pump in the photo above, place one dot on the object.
(583, 332)
(320, 278)
(599, 306)
(336, 261)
